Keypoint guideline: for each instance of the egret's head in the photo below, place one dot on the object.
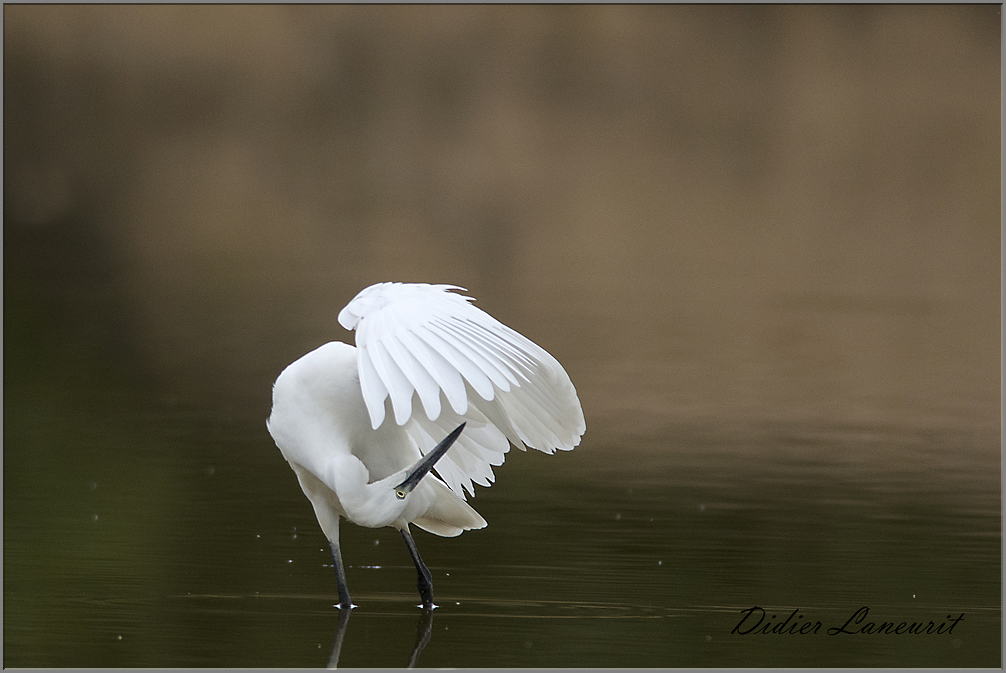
(420, 469)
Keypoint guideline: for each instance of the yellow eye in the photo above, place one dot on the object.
(401, 494)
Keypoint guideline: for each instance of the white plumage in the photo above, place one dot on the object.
(353, 421)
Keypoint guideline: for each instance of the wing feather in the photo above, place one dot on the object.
(517, 363)
(455, 361)
(399, 387)
(418, 375)
(374, 390)
(486, 373)
(461, 356)
(495, 368)
(426, 340)
(427, 370)
(445, 373)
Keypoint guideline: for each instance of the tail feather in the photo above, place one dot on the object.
(450, 515)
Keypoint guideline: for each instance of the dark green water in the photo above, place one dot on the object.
(145, 530)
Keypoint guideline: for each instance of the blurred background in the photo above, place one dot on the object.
(763, 240)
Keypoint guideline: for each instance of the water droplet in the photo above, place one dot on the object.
(120, 637)
(660, 563)
(618, 517)
(377, 542)
(94, 517)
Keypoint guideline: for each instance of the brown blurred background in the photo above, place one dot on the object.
(722, 212)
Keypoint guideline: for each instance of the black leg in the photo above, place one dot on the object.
(424, 580)
(340, 577)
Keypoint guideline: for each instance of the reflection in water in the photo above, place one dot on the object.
(340, 632)
(424, 628)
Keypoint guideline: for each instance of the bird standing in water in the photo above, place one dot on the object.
(433, 382)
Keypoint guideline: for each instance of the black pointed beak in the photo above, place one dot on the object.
(427, 463)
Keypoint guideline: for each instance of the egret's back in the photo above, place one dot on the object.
(315, 405)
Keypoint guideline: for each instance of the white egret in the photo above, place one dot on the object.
(347, 421)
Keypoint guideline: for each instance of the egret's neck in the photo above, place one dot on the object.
(367, 504)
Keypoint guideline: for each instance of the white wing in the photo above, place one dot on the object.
(426, 341)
